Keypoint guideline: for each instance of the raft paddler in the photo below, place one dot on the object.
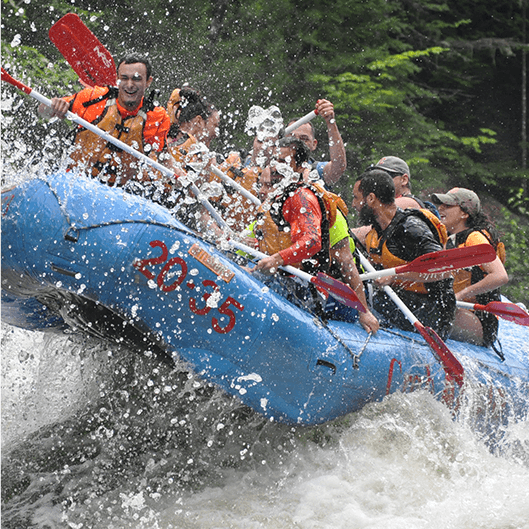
(295, 224)
(292, 229)
(193, 118)
(398, 237)
(126, 114)
(194, 124)
(468, 225)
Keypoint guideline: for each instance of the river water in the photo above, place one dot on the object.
(96, 436)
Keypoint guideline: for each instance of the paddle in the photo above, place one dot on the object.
(441, 261)
(337, 289)
(507, 311)
(127, 148)
(90, 60)
(451, 365)
(301, 121)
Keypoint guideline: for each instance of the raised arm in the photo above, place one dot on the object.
(338, 162)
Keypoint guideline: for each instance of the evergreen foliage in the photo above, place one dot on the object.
(436, 82)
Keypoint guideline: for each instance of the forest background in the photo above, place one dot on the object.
(439, 83)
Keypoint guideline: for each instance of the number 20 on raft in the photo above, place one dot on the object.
(170, 265)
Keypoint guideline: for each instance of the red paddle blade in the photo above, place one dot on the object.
(453, 368)
(338, 290)
(445, 260)
(90, 60)
(507, 311)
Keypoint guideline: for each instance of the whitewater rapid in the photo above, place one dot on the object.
(95, 436)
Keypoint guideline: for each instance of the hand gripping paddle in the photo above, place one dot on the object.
(453, 369)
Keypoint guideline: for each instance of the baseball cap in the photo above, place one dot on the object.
(392, 164)
(466, 199)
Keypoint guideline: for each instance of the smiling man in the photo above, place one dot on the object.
(123, 112)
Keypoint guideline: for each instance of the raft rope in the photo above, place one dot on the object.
(74, 227)
(356, 360)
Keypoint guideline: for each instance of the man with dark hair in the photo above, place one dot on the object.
(397, 237)
(329, 171)
(324, 215)
(292, 221)
(137, 59)
(123, 112)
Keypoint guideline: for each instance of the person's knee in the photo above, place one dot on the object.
(467, 328)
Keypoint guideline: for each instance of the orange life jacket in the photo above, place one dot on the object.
(333, 203)
(238, 211)
(267, 233)
(180, 148)
(105, 160)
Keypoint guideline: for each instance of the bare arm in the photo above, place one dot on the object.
(495, 277)
(338, 162)
(341, 255)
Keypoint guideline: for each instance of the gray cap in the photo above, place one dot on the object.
(466, 199)
(392, 164)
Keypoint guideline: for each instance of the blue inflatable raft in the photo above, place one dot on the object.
(78, 254)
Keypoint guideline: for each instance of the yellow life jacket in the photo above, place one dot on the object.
(380, 254)
(108, 162)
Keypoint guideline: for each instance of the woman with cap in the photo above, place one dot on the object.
(467, 225)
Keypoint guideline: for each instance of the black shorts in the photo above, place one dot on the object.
(436, 310)
(490, 324)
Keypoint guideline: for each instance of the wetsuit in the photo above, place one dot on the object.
(407, 237)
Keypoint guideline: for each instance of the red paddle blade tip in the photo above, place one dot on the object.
(11, 80)
(453, 368)
(507, 311)
(338, 290)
